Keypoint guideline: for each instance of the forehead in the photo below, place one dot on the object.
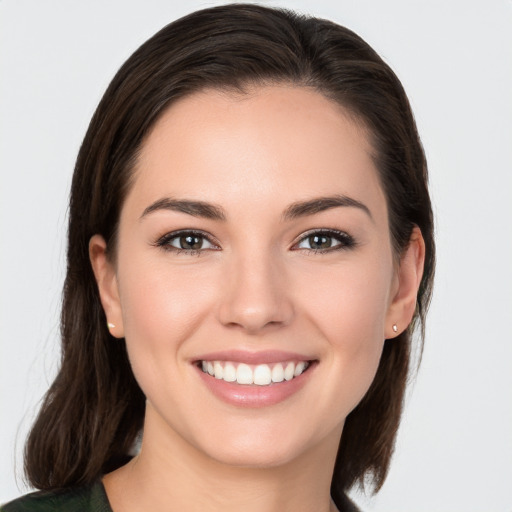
(274, 140)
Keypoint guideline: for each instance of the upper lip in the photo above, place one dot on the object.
(261, 357)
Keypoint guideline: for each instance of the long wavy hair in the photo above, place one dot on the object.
(94, 410)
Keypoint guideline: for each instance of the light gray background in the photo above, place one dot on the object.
(454, 58)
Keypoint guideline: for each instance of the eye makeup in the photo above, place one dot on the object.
(324, 241)
(195, 242)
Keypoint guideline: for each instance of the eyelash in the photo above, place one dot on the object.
(345, 240)
(164, 242)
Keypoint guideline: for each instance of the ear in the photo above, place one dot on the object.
(106, 279)
(408, 279)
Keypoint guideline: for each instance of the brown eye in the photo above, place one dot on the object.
(186, 242)
(325, 241)
(190, 242)
(319, 242)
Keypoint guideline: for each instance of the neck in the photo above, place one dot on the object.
(170, 473)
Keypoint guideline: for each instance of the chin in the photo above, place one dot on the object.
(256, 456)
(263, 445)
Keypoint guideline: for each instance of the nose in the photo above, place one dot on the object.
(255, 297)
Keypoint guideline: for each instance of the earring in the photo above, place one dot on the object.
(395, 328)
(110, 326)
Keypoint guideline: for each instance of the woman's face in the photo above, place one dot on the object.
(254, 244)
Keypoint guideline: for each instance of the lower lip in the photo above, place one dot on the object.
(244, 395)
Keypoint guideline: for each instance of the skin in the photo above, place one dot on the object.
(257, 285)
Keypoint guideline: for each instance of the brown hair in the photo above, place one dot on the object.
(94, 409)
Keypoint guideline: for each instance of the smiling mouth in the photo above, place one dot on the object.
(259, 375)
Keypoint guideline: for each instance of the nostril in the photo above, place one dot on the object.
(253, 319)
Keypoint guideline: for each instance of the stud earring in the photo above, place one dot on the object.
(395, 328)
(110, 326)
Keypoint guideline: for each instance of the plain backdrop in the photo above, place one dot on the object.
(454, 57)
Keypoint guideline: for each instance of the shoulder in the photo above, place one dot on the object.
(90, 498)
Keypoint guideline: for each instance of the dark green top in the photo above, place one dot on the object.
(93, 498)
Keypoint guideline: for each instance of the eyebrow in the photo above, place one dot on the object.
(320, 204)
(295, 210)
(194, 208)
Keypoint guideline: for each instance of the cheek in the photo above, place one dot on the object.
(162, 307)
(350, 302)
(349, 312)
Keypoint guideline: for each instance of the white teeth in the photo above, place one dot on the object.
(301, 366)
(219, 371)
(229, 373)
(260, 375)
(289, 371)
(244, 374)
(278, 373)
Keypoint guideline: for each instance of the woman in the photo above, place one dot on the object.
(250, 250)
